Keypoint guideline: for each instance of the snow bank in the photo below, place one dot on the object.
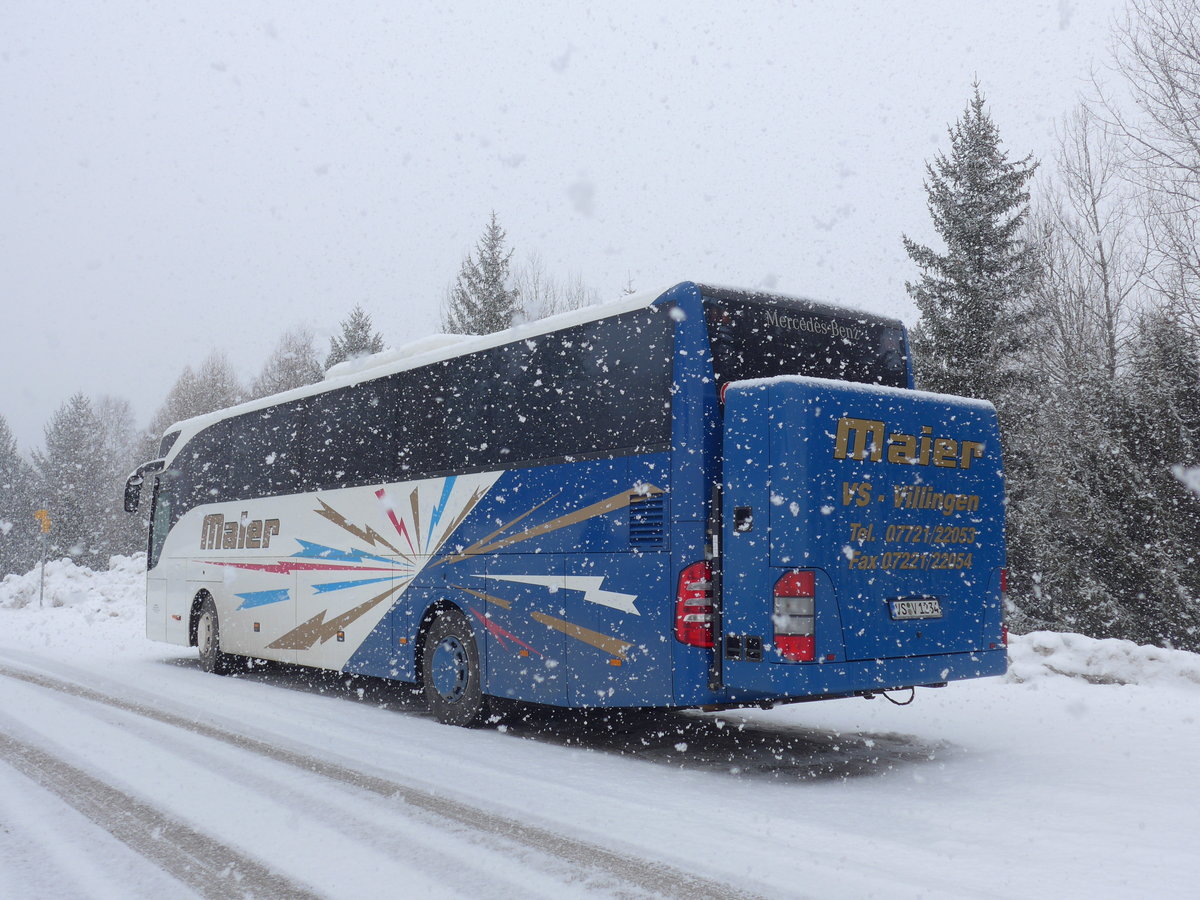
(115, 591)
(1043, 655)
(86, 612)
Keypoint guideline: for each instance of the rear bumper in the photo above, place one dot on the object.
(779, 681)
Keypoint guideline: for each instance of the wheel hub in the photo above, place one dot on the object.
(450, 668)
(204, 632)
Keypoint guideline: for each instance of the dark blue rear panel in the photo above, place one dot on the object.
(894, 499)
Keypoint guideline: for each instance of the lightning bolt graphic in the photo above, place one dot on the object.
(368, 534)
(589, 585)
(306, 635)
(436, 516)
(400, 527)
(309, 550)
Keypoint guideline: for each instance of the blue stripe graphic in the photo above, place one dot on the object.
(309, 550)
(342, 585)
(262, 598)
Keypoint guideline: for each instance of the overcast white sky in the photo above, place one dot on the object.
(179, 177)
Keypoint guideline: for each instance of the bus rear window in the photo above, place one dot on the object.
(767, 336)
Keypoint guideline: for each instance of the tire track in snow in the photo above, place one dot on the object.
(212, 869)
(656, 878)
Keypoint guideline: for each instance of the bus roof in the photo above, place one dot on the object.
(435, 348)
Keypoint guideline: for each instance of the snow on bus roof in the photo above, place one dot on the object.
(417, 353)
(861, 387)
(819, 307)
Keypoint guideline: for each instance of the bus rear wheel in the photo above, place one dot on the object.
(450, 672)
(208, 640)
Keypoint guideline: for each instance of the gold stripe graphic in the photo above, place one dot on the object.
(609, 644)
(305, 635)
(471, 504)
(416, 511)
(509, 524)
(615, 502)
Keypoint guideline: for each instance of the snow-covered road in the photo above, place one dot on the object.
(127, 772)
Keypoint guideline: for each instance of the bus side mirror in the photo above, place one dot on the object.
(133, 484)
(133, 492)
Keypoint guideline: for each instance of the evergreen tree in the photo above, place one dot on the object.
(74, 485)
(358, 338)
(972, 296)
(975, 333)
(1159, 576)
(19, 531)
(122, 532)
(292, 364)
(481, 300)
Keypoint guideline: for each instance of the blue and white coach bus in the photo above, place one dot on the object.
(697, 498)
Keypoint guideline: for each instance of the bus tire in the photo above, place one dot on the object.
(450, 671)
(208, 640)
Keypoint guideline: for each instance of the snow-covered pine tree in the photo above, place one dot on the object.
(1158, 575)
(358, 338)
(19, 550)
(973, 296)
(482, 300)
(73, 483)
(214, 386)
(292, 364)
(975, 333)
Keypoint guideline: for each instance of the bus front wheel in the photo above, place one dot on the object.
(450, 674)
(208, 640)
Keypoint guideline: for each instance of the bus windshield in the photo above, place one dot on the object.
(763, 336)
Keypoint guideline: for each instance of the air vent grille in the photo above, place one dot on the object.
(647, 520)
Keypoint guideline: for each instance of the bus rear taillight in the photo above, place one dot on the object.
(795, 616)
(694, 606)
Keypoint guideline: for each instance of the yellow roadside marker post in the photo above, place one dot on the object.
(43, 516)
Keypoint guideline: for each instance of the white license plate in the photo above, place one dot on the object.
(924, 608)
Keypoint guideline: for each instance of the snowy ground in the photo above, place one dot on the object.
(127, 772)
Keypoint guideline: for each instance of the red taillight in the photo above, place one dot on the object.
(1003, 581)
(794, 616)
(694, 606)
